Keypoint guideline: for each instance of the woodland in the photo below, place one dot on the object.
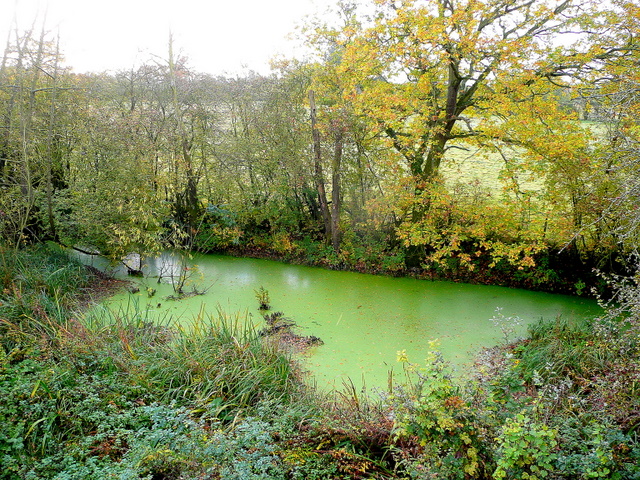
(485, 141)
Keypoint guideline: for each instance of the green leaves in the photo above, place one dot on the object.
(436, 412)
(526, 449)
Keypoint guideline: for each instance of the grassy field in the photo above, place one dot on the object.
(471, 165)
(482, 170)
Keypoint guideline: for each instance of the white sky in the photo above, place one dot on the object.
(217, 36)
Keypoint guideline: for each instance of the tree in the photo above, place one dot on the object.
(259, 158)
(432, 77)
(187, 204)
(318, 174)
(422, 69)
(615, 88)
(333, 120)
(33, 86)
(111, 203)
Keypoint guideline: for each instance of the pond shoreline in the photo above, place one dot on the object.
(510, 276)
(363, 319)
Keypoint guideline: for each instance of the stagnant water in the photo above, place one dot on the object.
(364, 320)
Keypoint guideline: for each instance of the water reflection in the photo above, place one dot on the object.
(293, 279)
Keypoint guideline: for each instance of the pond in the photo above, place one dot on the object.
(364, 320)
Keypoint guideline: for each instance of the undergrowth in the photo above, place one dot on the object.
(119, 394)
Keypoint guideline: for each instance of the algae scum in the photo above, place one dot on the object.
(363, 320)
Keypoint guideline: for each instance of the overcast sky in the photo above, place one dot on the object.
(217, 36)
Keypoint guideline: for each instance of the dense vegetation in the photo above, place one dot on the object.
(468, 140)
(111, 395)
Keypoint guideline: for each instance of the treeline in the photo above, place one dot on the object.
(370, 155)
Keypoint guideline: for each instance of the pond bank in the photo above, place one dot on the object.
(118, 399)
(561, 272)
(363, 320)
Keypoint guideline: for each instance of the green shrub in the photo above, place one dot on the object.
(595, 448)
(436, 411)
(526, 449)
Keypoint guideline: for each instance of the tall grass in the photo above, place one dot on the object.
(217, 361)
(565, 347)
(75, 389)
(38, 287)
(44, 269)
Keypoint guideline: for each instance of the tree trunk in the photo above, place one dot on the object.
(50, 135)
(190, 205)
(317, 163)
(335, 190)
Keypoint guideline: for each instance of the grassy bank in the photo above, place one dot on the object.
(112, 395)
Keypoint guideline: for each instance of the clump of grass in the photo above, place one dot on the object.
(219, 359)
(564, 347)
(44, 269)
(217, 364)
(38, 288)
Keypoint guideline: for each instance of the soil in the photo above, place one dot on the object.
(100, 287)
(280, 329)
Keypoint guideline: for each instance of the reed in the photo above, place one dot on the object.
(215, 362)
